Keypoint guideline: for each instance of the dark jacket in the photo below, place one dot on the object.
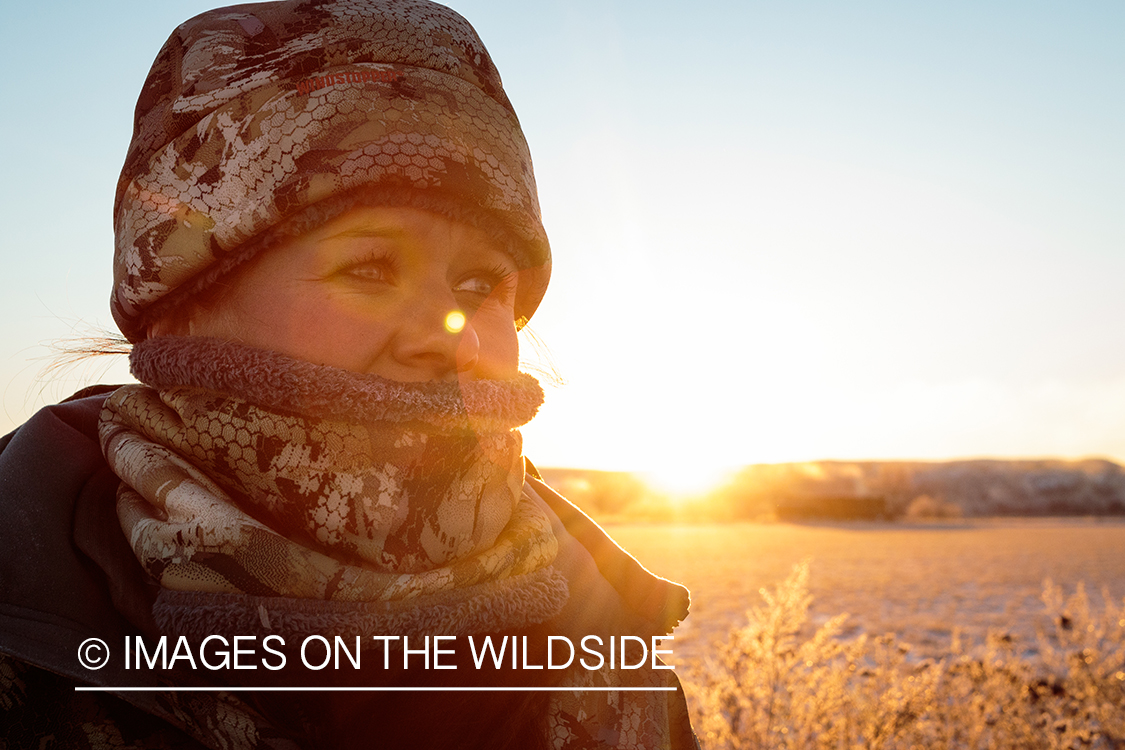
(67, 574)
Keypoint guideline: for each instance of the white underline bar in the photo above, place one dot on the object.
(334, 689)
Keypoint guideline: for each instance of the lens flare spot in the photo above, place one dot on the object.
(455, 321)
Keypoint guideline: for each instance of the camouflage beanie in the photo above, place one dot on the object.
(258, 122)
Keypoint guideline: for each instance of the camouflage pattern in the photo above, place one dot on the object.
(620, 719)
(223, 495)
(258, 120)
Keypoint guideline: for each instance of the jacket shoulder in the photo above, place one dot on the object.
(659, 603)
(57, 521)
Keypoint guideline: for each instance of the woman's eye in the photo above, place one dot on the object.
(476, 285)
(497, 284)
(371, 270)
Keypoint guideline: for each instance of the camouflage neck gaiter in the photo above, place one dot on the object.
(245, 471)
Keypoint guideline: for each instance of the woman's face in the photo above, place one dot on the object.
(397, 292)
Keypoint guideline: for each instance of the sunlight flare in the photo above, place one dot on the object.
(683, 481)
(455, 321)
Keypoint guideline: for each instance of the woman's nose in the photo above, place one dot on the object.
(468, 347)
(435, 339)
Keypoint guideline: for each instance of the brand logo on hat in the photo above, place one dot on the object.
(352, 76)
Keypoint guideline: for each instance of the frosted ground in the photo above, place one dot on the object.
(917, 580)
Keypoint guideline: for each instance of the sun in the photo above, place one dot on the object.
(685, 481)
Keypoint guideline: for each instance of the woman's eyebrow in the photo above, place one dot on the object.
(363, 232)
(376, 231)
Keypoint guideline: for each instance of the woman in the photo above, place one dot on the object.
(327, 238)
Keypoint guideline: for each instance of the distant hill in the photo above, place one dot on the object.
(990, 488)
(840, 489)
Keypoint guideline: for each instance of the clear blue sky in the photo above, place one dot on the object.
(782, 231)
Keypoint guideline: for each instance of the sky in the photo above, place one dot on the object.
(781, 231)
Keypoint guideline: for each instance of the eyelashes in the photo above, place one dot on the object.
(496, 281)
(377, 268)
(495, 286)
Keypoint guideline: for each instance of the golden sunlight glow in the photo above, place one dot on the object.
(685, 481)
(455, 321)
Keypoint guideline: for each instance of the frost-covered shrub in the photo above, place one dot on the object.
(776, 683)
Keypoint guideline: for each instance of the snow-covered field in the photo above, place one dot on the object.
(917, 580)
